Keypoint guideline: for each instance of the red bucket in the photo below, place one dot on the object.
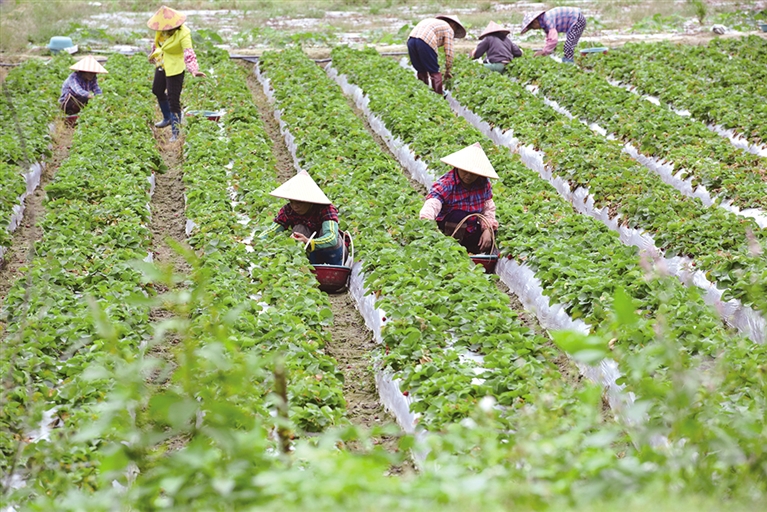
(486, 260)
(332, 278)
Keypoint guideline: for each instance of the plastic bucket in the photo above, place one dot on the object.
(210, 114)
(332, 278)
(763, 27)
(596, 49)
(486, 260)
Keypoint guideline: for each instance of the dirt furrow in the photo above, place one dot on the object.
(21, 251)
(168, 224)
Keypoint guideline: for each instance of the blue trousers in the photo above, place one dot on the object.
(422, 56)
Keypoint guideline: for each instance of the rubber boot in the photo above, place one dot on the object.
(175, 125)
(423, 76)
(436, 83)
(165, 109)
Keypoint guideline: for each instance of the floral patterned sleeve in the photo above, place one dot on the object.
(190, 59)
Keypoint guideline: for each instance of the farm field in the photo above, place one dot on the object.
(158, 355)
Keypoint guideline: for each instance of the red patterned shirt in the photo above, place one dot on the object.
(454, 195)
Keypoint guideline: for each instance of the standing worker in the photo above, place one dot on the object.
(81, 85)
(569, 20)
(461, 192)
(494, 42)
(422, 45)
(311, 218)
(171, 53)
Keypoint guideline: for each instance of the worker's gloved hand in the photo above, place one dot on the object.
(298, 236)
(539, 53)
(486, 240)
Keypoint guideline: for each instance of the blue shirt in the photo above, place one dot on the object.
(79, 87)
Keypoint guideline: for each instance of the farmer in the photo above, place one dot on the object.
(81, 85)
(569, 20)
(494, 42)
(463, 191)
(311, 218)
(171, 53)
(422, 45)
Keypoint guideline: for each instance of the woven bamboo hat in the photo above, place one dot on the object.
(528, 19)
(458, 28)
(301, 187)
(494, 28)
(166, 19)
(88, 64)
(471, 159)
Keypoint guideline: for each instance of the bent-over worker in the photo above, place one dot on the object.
(568, 20)
(463, 191)
(500, 49)
(311, 218)
(422, 45)
(172, 54)
(81, 86)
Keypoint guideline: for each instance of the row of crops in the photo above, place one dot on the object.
(154, 424)
(27, 110)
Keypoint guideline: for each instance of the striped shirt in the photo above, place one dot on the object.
(436, 33)
(553, 21)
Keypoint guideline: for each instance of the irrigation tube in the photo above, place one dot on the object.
(519, 278)
(736, 139)
(397, 404)
(663, 168)
(732, 311)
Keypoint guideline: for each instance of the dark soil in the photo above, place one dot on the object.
(351, 346)
(285, 168)
(168, 224)
(21, 251)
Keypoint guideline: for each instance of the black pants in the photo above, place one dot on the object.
(171, 84)
(72, 105)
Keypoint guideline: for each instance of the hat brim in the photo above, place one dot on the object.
(459, 31)
(504, 31)
(527, 27)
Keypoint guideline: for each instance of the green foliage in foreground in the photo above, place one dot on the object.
(548, 462)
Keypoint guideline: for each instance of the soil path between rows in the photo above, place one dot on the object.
(168, 224)
(351, 342)
(29, 232)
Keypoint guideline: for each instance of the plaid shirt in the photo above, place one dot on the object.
(79, 87)
(453, 194)
(314, 220)
(436, 33)
(560, 18)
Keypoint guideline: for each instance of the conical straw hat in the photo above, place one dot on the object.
(493, 28)
(166, 19)
(301, 187)
(528, 19)
(88, 64)
(458, 28)
(471, 159)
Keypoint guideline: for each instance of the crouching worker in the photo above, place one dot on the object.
(461, 192)
(311, 219)
(80, 86)
(494, 42)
